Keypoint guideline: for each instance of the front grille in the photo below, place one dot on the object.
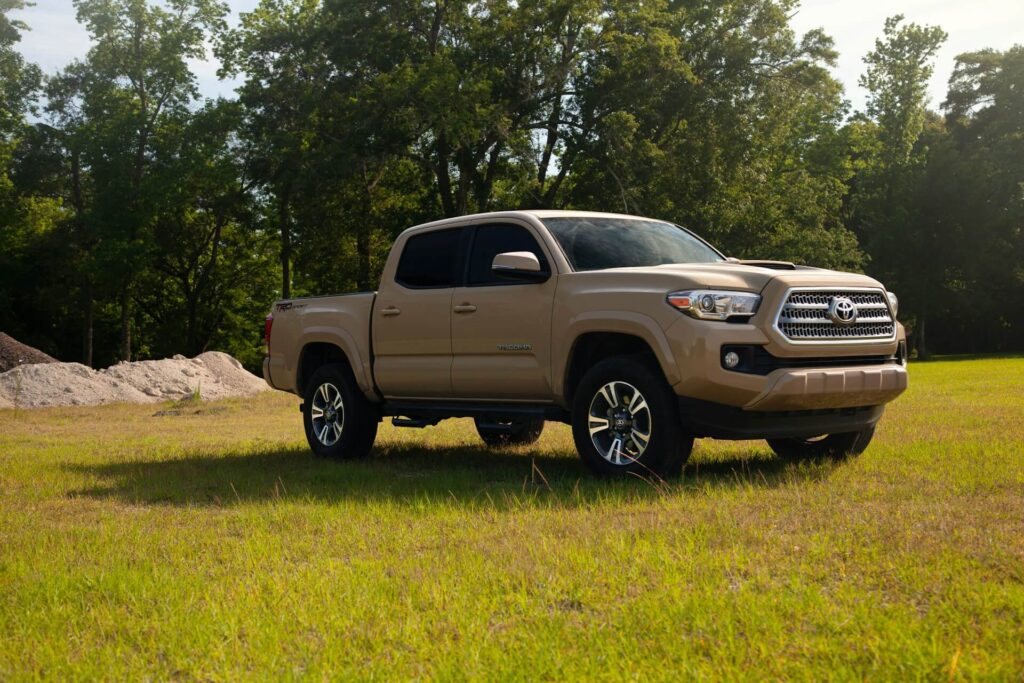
(805, 316)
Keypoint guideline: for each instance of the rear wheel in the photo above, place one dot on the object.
(625, 420)
(835, 447)
(340, 422)
(501, 434)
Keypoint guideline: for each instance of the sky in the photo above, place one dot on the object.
(55, 39)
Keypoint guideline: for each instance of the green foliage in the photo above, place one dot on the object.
(897, 76)
(135, 201)
(975, 199)
(138, 220)
(18, 79)
(720, 119)
(892, 147)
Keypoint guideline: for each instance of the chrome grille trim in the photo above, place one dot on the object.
(803, 317)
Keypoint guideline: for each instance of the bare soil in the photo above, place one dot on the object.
(13, 353)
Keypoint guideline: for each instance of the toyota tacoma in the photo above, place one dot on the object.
(634, 331)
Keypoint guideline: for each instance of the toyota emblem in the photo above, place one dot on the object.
(842, 311)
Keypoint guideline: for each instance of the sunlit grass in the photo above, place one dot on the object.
(210, 545)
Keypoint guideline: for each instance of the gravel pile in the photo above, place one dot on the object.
(213, 374)
(13, 353)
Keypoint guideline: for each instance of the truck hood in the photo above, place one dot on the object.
(740, 276)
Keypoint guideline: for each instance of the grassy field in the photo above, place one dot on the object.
(212, 546)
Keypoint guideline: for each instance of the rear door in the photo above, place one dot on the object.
(501, 328)
(411, 326)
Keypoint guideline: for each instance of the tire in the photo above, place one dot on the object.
(340, 423)
(836, 447)
(649, 430)
(513, 433)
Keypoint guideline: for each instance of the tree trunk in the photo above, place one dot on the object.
(363, 238)
(87, 326)
(920, 341)
(363, 251)
(363, 227)
(126, 324)
(286, 244)
(444, 180)
(192, 316)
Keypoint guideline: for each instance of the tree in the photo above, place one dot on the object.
(19, 81)
(896, 79)
(27, 218)
(284, 77)
(893, 166)
(133, 81)
(138, 221)
(978, 193)
(717, 117)
(212, 272)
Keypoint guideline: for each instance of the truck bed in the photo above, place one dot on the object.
(339, 319)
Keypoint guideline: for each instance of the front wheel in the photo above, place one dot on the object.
(836, 447)
(513, 433)
(340, 422)
(625, 420)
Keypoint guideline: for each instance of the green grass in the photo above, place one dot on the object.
(210, 545)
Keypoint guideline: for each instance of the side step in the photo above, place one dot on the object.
(414, 423)
(419, 414)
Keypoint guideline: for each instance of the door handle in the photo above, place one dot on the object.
(391, 310)
(464, 308)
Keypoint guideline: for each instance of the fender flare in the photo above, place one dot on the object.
(344, 340)
(618, 322)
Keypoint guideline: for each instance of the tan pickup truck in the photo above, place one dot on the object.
(635, 331)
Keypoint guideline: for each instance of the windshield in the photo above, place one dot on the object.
(598, 243)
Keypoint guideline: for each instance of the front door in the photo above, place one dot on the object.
(412, 341)
(501, 328)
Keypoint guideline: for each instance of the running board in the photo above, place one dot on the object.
(425, 414)
(413, 423)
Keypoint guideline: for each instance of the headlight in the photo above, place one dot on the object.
(893, 302)
(715, 305)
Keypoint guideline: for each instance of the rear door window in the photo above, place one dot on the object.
(429, 260)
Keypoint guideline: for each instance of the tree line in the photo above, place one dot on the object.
(138, 219)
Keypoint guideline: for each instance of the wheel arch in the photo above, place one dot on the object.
(607, 336)
(320, 347)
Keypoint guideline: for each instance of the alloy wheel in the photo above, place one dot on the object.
(328, 414)
(619, 423)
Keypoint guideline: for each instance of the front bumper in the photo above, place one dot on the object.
(814, 389)
(805, 377)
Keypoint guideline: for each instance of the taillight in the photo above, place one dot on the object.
(268, 324)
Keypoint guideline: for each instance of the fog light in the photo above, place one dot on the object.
(732, 359)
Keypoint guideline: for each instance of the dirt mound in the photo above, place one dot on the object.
(212, 375)
(13, 353)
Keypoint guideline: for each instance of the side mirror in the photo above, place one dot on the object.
(519, 265)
